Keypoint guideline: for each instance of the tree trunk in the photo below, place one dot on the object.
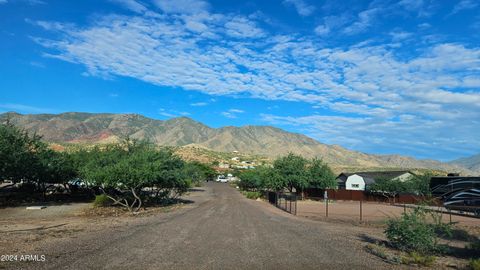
(136, 198)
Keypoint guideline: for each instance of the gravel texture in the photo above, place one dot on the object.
(220, 230)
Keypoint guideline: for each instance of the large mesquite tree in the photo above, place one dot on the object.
(290, 172)
(24, 157)
(132, 172)
(19, 154)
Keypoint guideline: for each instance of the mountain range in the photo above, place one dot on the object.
(471, 163)
(75, 127)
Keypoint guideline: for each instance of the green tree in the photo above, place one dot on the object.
(251, 180)
(19, 154)
(123, 172)
(271, 179)
(420, 184)
(198, 172)
(390, 188)
(292, 170)
(320, 175)
(56, 168)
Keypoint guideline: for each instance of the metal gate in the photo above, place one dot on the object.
(285, 201)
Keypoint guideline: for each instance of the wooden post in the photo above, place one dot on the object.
(404, 208)
(361, 210)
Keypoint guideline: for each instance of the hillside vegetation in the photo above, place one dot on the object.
(271, 142)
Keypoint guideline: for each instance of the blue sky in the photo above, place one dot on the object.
(374, 76)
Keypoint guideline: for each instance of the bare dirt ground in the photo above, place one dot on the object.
(371, 212)
(220, 230)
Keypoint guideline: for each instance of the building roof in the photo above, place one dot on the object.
(370, 177)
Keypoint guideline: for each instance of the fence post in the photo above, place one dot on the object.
(290, 204)
(326, 212)
(295, 204)
(361, 210)
(404, 208)
(276, 199)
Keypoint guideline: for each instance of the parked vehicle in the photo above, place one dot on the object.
(222, 179)
(467, 200)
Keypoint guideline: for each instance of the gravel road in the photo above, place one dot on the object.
(221, 230)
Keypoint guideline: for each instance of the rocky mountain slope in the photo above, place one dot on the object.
(472, 163)
(75, 127)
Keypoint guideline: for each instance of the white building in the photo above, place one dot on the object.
(361, 180)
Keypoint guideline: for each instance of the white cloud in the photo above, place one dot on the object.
(3, 2)
(322, 30)
(22, 108)
(412, 5)
(369, 85)
(37, 64)
(398, 35)
(232, 113)
(236, 111)
(241, 27)
(182, 6)
(132, 5)
(301, 7)
(172, 113)
(199, 104)
(364, 21)
(369, 134)
(36, 2)
(464, 5)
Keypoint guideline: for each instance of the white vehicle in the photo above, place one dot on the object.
(222, 179)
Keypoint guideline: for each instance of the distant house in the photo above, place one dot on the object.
(224, 165)
(361, 180)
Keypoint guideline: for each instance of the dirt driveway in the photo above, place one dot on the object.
(221, 230)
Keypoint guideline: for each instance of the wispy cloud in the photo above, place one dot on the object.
(369, 134)
(182, 6)
(232, 113)
(199, 104)
(172, 113)
(3, 2)
(37, 64)
(22, 108)
(132, 5)
(301, 7)
(364, 21)
(232, 55)
(464, 5)
(36, 2)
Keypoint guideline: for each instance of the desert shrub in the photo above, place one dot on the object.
(102, 200)
(474, 264)
(412, 233)
(253, 195)
(418, 259)
(381, 251)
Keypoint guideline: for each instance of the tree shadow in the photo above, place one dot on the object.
(372, 240)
